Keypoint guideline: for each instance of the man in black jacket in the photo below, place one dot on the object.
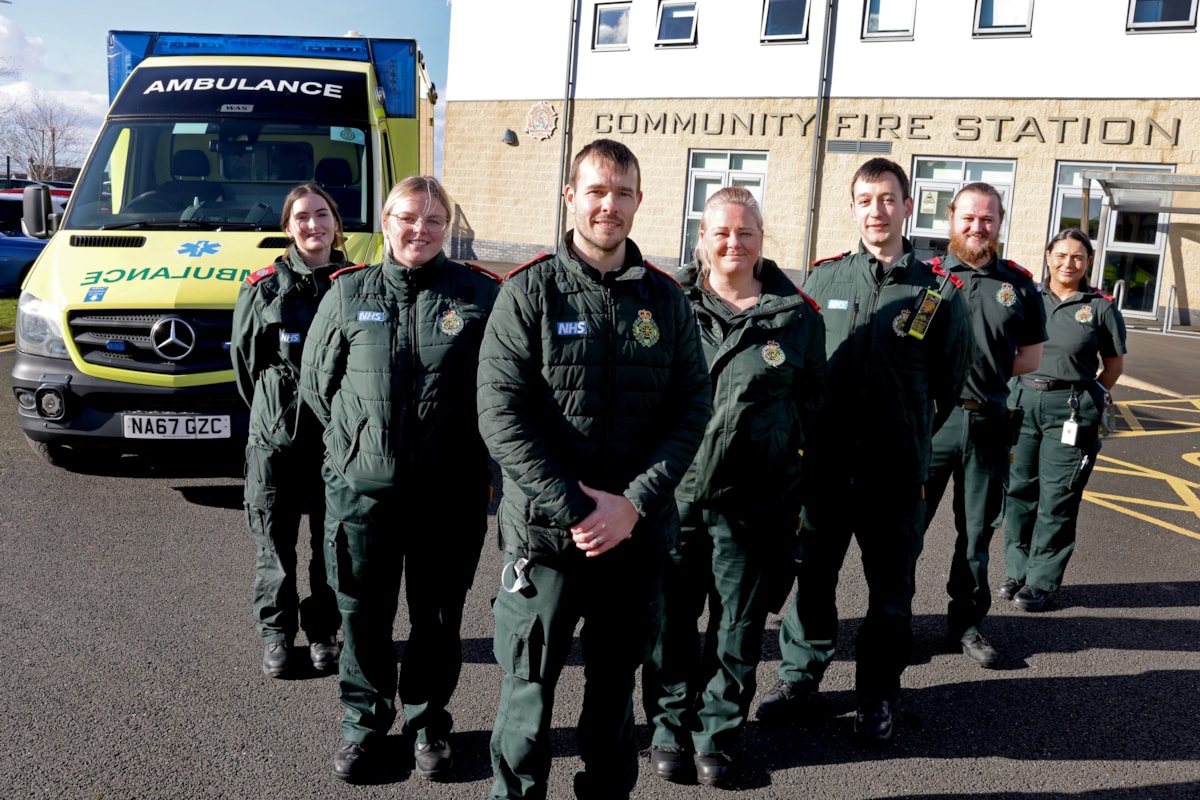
(593, 398)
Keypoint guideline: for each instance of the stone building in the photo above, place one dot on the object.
(1054, 103)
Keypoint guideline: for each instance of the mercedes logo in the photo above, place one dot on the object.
(173, 338)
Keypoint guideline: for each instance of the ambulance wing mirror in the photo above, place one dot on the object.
(36, 211)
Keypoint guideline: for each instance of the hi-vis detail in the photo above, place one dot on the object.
(124, 324)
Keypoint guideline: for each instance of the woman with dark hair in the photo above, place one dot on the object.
(275, 306)
(1063, 402)
(389, 369)
(739, 502)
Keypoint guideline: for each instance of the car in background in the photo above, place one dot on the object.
(17, 254)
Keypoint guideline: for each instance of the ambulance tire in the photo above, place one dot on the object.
(56, 455)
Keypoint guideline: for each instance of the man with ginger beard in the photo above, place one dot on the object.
(1009, 326)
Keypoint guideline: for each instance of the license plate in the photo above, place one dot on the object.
(176, 426)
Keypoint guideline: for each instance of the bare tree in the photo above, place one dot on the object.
(43, 134)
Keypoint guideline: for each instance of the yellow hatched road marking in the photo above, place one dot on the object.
(1184, 489)
(1158, 417)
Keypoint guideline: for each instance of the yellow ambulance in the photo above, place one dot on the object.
(123, 325)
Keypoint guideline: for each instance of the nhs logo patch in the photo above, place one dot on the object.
(289, 338)
(574, 328)
(370, 316)
(839, 305)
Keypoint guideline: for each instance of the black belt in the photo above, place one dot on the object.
(970, 405)
(1049, 386)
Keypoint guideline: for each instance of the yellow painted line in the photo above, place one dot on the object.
(1184, 489)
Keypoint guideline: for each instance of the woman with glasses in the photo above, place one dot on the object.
(389, 367)
(1063, 402)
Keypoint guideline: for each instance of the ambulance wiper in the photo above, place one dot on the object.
(155, 223)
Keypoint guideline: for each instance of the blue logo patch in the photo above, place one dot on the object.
(289, 338)
(574, 328)
(202, 247)
(370, 316)
(95, 294)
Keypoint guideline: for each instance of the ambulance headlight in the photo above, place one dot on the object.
(39, 328)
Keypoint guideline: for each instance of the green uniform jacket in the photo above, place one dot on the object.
(275, 307)
(1006, 313)
(591, 378)
(884, 385)
(767, 366)
(389, 369)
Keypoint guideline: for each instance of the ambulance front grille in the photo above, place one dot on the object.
(189, 341)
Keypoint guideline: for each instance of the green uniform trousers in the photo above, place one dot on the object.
(617, 595)
(972, 447)
(1046, 485)
(372, 540)
(744, 568)
(279, 484)
(886, 519)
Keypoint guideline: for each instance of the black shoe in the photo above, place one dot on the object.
(1031, 598)
(785, 701)
(670, 763)
(433, 760)
(713, 769)
(275, 658)
(978, 650)
(350, 762)
(324, 654)
(1009, 588)
(873, 722)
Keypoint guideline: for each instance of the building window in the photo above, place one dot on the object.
(1157, 15)
(889, 19)
(935, 182)
(709, 171)
(611, 30)
(784, 21)
(1136, 239)
(1003, 17)
(676, 24)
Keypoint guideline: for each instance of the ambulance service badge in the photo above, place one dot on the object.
(1007, 295)
(900, 323)
(1084, 314)
(773, 354)
(645, 330)
(451, 323)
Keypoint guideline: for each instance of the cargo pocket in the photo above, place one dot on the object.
(518, 644)
(1084, 463)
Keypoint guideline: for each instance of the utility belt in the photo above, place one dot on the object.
(1043, 385)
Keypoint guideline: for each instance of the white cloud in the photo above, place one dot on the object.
(22, 53)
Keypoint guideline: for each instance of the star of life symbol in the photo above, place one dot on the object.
(197, 249)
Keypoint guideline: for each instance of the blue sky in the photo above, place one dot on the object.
(60, 47)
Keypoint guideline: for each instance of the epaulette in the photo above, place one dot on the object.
(666, 275)
(255, 277)
(344, 270)
(536, 259)
(1019, 269)
(483, 271)
(815, 305)
(938, 269)
(838, 257)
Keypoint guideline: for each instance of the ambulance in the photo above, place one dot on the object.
(124, 323)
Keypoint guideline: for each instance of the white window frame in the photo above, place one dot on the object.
(891, 34)
(1168, 26)
(1011, 27)
(802, 36)
(601, 8)
(1158, 248)
(950, 183)
(690, 39)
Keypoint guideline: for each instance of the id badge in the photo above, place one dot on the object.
(930, 300)
(1070, 430)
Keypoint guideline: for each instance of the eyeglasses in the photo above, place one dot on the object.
(1060, 258)
(410, 222)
